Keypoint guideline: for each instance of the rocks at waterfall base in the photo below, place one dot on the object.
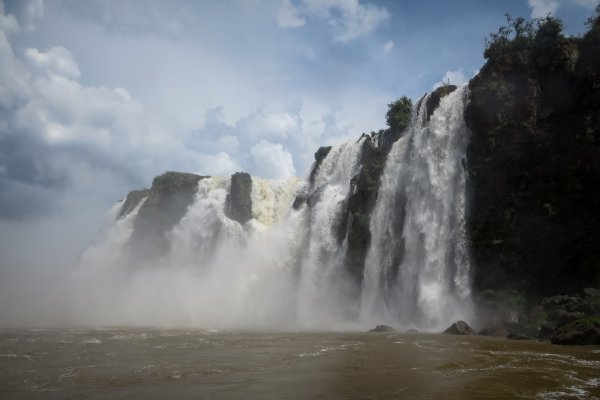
(459, 328)
(382, 328)
(561, 319)
(582, 331)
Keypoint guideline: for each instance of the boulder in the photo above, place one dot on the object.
(459, 328)
(412, 330)
(382, 328)
(584, 331)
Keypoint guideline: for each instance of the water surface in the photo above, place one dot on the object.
(156, 364)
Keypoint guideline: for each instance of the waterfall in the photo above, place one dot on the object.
(417, 267)
(285, 267)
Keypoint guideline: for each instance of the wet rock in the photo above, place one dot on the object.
(434, 100)
(382, 328)
(494, 327)
(238, 204)
(168, 200)
(516, 336)
(584, 331)
(132, 200)
(591, 293)
(459, 328)
(319, 157)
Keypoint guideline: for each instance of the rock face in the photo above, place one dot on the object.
(534, 165)
(459, 328)
(132, 200)
(382, 328)
(584, 331)
(238, 205)
(434, 100)
(494, 327)
(167, 202)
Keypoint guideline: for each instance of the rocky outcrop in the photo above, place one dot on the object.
(319, 157)
(459, 328)
(434, 100)
(534, 164)
(132, 200)
(312, 193)
(167, 202)
(494, 327)
(238, 204)
(583, 331)
(382, 328)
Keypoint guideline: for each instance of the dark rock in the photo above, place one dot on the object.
(563, 317)
(365, 189)
(238, 204)
(434, 100)
(534, 153)
(320, 155)
(412, 330)
(516, 336)
(546, 330)
(494, 327)
(382, 328)
(132, 200)
(299, 201)
(591, 293)
(459, 328)
(584, 331)
(170, 196)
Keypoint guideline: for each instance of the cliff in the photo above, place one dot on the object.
(166, 203)
(534, 161)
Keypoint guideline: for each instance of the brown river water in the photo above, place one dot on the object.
(125, 363)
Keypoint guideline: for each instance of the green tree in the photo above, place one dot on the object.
(398, 114)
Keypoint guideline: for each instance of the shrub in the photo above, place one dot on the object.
(398, 114)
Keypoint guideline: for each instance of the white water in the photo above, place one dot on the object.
(285, 268)
(424, 181)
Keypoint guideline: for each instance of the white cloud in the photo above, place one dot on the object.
(57, 60)
(273, 161)
(288, 15)
(32, 11)
(388, 46)
(270, 124)
(219, 164)
(60, 139)
(456, 77)
(349, 19)
(541, 8)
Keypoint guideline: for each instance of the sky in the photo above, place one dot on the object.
(98, 97)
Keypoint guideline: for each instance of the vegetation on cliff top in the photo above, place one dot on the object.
(398, 114)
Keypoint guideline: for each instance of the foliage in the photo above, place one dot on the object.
(520, 35)
(398, 114)
(517, 35)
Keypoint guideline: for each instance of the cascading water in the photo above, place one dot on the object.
(285, 267)
(417, 268)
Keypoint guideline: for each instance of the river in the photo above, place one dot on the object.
(122, 363)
